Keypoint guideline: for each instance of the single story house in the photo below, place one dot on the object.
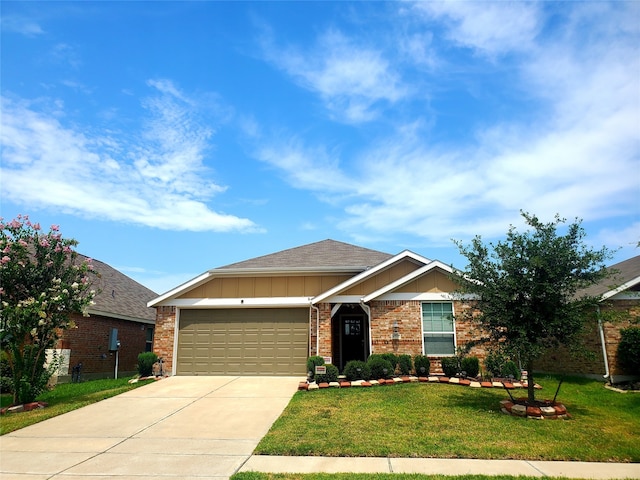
(266, 315)
(121, 304)
(619, 308)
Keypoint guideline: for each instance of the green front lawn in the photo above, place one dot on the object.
(64, 398)
(450, 421)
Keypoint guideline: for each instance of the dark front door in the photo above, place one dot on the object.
(353, 338)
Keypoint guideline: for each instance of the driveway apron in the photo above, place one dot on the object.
(180, 427)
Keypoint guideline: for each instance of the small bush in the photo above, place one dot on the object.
(471, 366)
(494, 363)
(420, 362)
(510, 369)
(450, 366)
(392, 358)
(629, 350)
(145, 363)
(6, 378)
(404, 364)
(312, 363)
(378, 365)
(330, 376)
(356, 370)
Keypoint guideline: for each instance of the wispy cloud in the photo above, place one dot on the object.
(154, 178)
(352, 79)
(574, 152)
(22, 25)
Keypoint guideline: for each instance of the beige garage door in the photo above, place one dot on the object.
(260, 341)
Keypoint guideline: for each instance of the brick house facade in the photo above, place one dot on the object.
(120, 303)
(349, 302)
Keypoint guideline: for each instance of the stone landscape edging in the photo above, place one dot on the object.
(552, 411)
(413, 379)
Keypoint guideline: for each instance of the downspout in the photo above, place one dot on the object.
(604, 347)
(367, 310)
(317, 329)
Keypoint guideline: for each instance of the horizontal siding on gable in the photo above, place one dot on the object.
(383, 278)
(265, 287)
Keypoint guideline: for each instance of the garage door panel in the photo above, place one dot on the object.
(243, 342)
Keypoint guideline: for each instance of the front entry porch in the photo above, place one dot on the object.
(350, 334)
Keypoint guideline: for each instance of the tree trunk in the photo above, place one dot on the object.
(531, 393)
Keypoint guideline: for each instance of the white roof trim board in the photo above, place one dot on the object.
(195, 282)
(369, 273)
(406, 279)
(621, 288)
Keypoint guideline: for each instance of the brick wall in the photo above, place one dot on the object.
(89, 339)
(559, 359)
(324, 338)
(164, 336)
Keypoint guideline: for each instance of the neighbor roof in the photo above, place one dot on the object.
(323, 254)
(120, 296)
(625, 275)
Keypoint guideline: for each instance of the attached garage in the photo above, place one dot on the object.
(243, 341)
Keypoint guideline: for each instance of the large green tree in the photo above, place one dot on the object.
(526, 289)
(42, 281)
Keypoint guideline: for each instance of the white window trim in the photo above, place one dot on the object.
(455, 337)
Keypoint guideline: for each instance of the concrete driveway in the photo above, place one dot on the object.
(180, 427)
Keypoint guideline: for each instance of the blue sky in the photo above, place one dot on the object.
(169, 138)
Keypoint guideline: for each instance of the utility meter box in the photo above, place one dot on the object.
(114, 343)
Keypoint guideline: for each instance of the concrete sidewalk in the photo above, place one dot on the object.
(438, 466)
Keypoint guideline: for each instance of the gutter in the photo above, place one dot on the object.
(604, 347)
(317, 329)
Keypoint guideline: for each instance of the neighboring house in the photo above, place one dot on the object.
(620, 295)
(120, 303)
(266, 315)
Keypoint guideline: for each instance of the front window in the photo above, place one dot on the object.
(149, 340)
(438, 328)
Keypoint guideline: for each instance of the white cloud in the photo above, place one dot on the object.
(351, 79)
(576, 152)
(491, 28)
(156, 179)
(22, 25)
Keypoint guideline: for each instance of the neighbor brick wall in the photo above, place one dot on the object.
(558, 360)
(164, 336)
(89, 339)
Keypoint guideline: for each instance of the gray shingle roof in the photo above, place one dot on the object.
(320, 255)
(623, 272)
(120, 295)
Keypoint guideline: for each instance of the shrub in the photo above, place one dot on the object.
(6, 381)
(510, 369)
(312, 363)
(494, 363)
(471, 366)
(145, 363)
(357, 370)
(404, 363)
(629, 350)
(392, 358)
(422, 361)
(450, 366)
(330, 376)
(377, 365)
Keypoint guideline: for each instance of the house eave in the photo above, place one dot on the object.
(121, 317)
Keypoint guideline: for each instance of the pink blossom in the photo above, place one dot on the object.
(15, 224)
(36, 226)
(7, 249)
(23, 243)
(44, 242)
(55, 228)
(5, 259)
(58, 248)
(66, 249)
